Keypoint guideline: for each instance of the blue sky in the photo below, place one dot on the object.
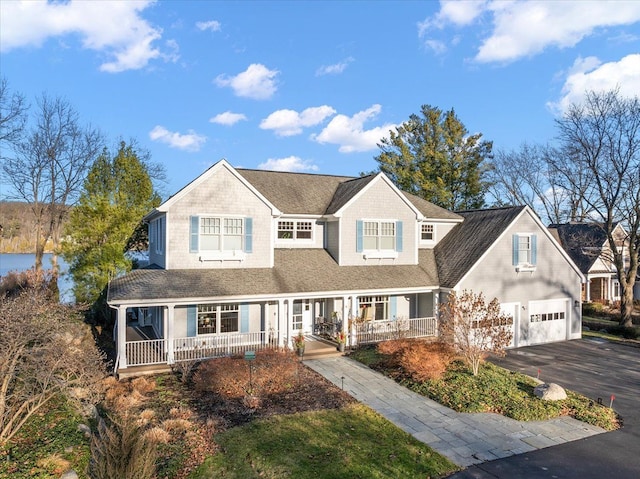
(313, 86)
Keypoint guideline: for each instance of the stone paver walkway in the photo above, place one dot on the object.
(464, 438)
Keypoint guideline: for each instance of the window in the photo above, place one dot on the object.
(524, 252)
(156, 235)
(540, 317)
(295, 229)
(426, 233)
(374, 307)
(220, 234)
(217, 318)
(379, 235)
(616, 288)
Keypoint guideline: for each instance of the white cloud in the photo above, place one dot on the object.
(334, 69)
(590, 74)
(291, 163)
(349, 132)
(189, 142)
(213, 25)
(114, 28)
(257, 82)
(458, 12)
(228, 118)
(290, 122)
(526, 28)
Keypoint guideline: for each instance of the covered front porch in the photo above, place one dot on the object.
(163, 334)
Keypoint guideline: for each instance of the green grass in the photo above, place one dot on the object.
(497, 390)
(46, 444)
(353, 442)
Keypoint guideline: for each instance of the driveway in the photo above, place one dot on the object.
(597, 369)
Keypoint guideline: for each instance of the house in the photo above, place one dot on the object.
(588, 247)
(242, 259)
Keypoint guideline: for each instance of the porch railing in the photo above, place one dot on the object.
(150, 351)
(376, 331)
(204, 347)
(154, 351)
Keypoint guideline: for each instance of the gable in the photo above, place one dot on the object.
(465, 246)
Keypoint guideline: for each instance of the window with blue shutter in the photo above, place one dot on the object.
(194, 222)
(399, 236)
(393, 305)
(192, 316)
(359, 236)
(248, 235)
(244, 318)
(534, 249)
(516, 243)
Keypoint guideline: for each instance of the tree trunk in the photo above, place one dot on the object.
(626, 307)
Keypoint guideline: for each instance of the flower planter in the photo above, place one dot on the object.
(341, 347)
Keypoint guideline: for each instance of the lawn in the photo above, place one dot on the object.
(494, 389)
(351, 442)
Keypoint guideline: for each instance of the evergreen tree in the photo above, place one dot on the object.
(434, 157)
(117, 193)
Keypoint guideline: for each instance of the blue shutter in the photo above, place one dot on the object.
(248, 235)
(192, 314)
(515, 250)
(194, 222)
(244, 318)
(359, 227)
(399, 236)
(534, 249)
(393, 303)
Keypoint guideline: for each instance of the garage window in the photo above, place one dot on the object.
(538, 318)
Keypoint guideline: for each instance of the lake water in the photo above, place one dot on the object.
(25, 261)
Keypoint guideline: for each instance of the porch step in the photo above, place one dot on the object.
(320, 348)
(148, 370)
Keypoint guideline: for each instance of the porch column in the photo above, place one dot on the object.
(122, 337)
(345, 318)
(436, 311)
(280, 319)
(289, 319)
(588, 290)
(169, 328)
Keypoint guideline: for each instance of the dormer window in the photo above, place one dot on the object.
(426, 232)
(378, 239)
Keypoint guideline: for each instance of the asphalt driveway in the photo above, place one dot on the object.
(598, 369)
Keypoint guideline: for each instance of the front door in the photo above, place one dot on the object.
(302, 316)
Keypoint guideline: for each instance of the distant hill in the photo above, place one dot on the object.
(17, 226)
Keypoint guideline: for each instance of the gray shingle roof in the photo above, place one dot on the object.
(295, 271)
(582, 241)
(295, 193)
(312, 194)
(457, 252)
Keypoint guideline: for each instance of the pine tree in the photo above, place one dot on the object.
(117, 193)
(434, 157)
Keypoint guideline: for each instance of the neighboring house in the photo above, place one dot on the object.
(588, 247)
(242, 259)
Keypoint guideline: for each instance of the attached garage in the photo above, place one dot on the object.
(545, 322)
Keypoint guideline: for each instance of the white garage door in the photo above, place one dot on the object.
(548, 320)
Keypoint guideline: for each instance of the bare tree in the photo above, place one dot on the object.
(475, 328)
(45, 351)
(50, 166)
(13, 115)
(528, 177)
(601, 140)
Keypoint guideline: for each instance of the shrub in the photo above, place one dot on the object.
(592, 309)
(120, 451)
(272, 371)
(418, 359)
